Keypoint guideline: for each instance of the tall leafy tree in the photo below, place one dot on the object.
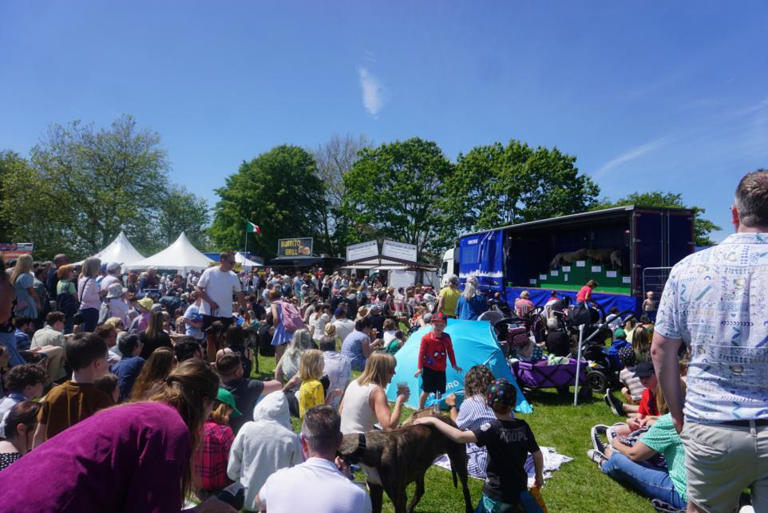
(336, 158)
(84, 185)
(395, 191)
(279, 190)
(701, 227)
(182, 211)
(501, 184)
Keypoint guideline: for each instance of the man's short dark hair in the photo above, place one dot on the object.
(362, 324)
(186, 348)
(21, 321)
(128, 344)
(226, 254)
(322, 429)
(54, 317)
(227, 364)
(84, 349)
(20, 376)
(752, 199)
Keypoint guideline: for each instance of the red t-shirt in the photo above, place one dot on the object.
(647, 404)
(583, 294)
(433, 351)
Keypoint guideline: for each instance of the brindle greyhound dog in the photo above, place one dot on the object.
(393, 459)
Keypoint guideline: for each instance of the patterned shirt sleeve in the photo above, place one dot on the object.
(668, 316)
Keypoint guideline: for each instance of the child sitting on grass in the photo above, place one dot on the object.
(509, 440)
(311, 392)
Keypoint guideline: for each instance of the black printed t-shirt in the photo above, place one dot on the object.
(508, 443)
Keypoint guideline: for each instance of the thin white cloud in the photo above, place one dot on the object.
(629, 156)
(373, 92)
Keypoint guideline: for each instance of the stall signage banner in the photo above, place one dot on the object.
(300, 246)
(363, 250)
(10, 250)
(399, 250)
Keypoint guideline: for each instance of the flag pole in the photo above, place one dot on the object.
(245, 245)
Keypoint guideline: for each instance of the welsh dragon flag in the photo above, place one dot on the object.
(253, 228)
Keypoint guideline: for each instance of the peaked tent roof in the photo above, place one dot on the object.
(119, 250)
(181, 256)
(245, 261)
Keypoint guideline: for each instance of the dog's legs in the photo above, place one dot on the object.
(399, 500)
(376, 492)
(417, 494)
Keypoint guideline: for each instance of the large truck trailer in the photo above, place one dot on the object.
(628, 250)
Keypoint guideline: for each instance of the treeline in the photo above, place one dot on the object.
(80, 186)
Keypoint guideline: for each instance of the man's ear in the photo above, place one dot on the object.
(735, 217)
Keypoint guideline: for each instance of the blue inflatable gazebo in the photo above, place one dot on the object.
(474, 343)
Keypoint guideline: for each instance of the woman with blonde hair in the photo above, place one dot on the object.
(365, 400)
(471, 303)
(88, 293)
(154, 372)
(27, 302)
(150, 447)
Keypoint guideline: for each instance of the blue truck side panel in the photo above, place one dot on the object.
(482, 255)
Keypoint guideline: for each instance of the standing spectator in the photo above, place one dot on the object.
(211, 457)
(585, 293)
(22, 383)
(714, 303)
(50, 340)
(112, 277)
(66, 295)
(78, 398)
(42, 293)
(116, 304)
(435, 347)
(336, 367)
(7, 329)
(154, 336)
(52, 280)
(20, 429)
(449, 297)
(471, 303)
(129, 366)
(148, 445)
(27, 301)
(88, 293)
(153, 373)
(281, 336)
(649, 305)
(216, 287)
(193, 319)
(263, 446)
(324, 487)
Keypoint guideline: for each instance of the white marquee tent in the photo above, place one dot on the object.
(119, 250)
(181, 256)
(246, 262)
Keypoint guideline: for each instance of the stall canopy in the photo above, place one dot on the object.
(119, 250)
(474, 343)
(181, 256)
(246, 262)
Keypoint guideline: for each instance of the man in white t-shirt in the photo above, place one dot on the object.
(216, 287)
(344, 326)
(323, 487)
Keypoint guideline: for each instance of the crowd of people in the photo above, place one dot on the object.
(136, 392)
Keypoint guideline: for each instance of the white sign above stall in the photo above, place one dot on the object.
(363, 250)
(399, 250)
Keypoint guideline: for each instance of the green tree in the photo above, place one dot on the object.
(701, 227)
(11, 165)
(279, 190)
(395, 191)
(182, 211)
(84, 185)
(496, 185)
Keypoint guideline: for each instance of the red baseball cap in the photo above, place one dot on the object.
(438, 317)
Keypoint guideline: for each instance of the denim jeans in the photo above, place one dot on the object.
(650, 482)
(90, 319)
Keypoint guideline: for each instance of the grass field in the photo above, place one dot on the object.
(578, 487)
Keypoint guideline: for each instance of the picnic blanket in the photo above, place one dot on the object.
(553, 460)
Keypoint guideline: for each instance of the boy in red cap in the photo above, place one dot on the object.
(509, 440)
(435, 345)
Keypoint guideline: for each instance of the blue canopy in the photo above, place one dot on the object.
(474, 343)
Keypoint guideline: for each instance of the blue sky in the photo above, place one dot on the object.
(647, 95)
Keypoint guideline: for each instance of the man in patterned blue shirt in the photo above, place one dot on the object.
(716, 302)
